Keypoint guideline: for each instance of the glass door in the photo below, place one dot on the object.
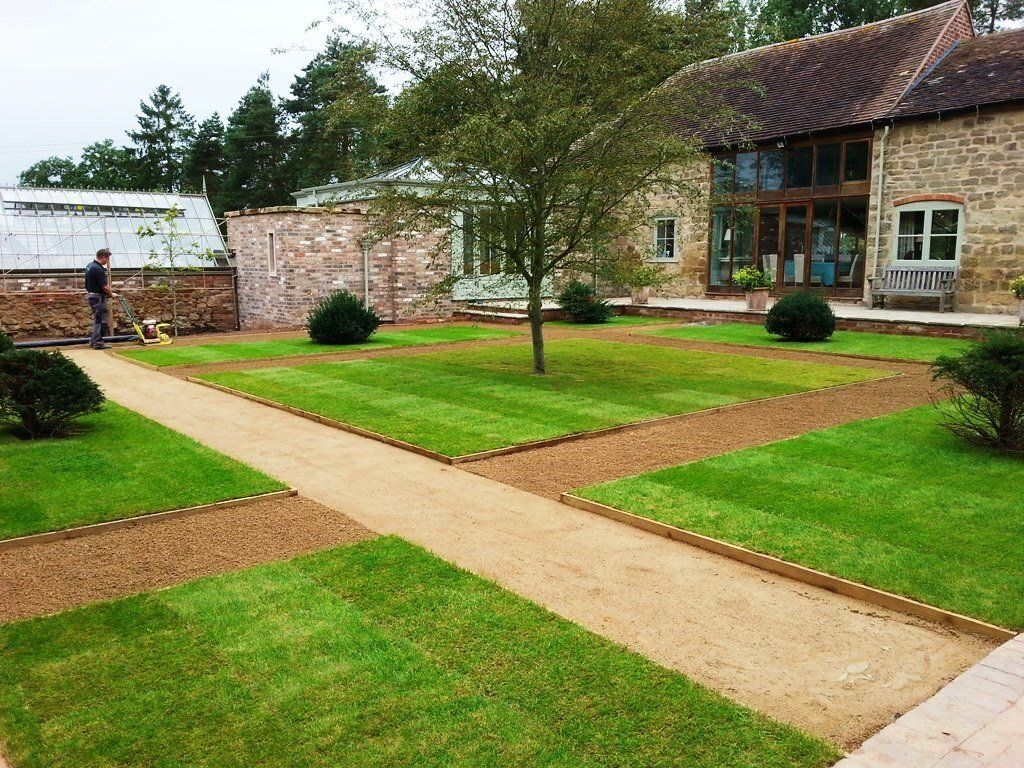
(794, 272)
(768, 241)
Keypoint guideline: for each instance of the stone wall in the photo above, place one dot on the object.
(317, 252)
(54, 305)
(978, 158)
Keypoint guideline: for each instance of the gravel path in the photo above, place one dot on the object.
(771, 643)
(45, 578)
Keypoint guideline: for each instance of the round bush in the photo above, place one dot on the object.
(801, 317)
(44, 392)
(341, 318)
(581, 304)
(985, 384)
(6, 344)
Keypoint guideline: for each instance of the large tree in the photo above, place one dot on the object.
(161, 140)
(206, 163)
(255, 148)
(992, 15)
(776, 20)
(108, 166)
(53, 172)
(339, 107)
(565, 129)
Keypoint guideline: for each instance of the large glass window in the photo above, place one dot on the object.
(796, 246)
(723, 174)
(799, 162)
(826, 170)
(481, 241)
(768, 240)
(928, 232)
(721, 246)
(746, 171)
(853, 240)
(855, 167)
(824, 240)
(771, 170)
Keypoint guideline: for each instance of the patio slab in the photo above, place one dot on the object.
(977, 721)
(854, 312)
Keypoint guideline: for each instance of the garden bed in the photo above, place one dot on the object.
(376, 653)
(198, 354)
(118, 464)
(467, 401)
(896, 503)
(856, 343)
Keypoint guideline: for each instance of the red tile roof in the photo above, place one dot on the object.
(979, 72)
(813, 84)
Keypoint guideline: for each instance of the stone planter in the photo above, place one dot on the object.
(757, 299)
(640, 295)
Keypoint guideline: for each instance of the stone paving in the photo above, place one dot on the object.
(977, 721)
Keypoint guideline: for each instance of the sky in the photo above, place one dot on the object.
(74, 71)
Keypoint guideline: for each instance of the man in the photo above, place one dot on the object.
(97, 286)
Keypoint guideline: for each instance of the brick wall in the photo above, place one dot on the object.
(54, 305)
(318, 251)
(976, 157)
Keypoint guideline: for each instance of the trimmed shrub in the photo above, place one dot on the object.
(6, 343)
(985, 385)
(44, 392)
(801, 317)
(341, 318)
(581, 303)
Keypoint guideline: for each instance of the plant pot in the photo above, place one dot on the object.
(640, 295)
(757, 299)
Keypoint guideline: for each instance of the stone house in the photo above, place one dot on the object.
(898, 142)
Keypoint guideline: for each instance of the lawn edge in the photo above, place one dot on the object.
(299, 356)
(326, 421)
(467, 458)
(800, 573)
(130, 522)
(875, 358)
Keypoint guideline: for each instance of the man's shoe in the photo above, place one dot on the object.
(101, 345)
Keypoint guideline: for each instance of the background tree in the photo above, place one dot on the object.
(992, 15)
(52, 172)
(162, 139)
(206, 163)
(255, 149)
(107, 166)
(338, 106)
(564, 129)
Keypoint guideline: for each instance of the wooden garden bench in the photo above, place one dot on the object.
(916, 280)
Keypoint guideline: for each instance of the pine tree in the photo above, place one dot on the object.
(255, 148)
(339, 107)
(165, 130)
(205, 163)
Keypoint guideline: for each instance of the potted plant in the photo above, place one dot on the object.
(755, 284)
(1017, 288)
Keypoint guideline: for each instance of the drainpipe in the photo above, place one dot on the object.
(366, 276)
(881, 190)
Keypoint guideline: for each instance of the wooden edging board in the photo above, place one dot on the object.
(129, 522)
(796, 572)
(521, 447)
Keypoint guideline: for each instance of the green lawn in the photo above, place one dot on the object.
(462, 401)
(924, 348)
(616, 321)
(256, 350)
(895, 502)
(374, 654)
(119, 465)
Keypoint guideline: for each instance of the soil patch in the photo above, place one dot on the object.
(51, 577)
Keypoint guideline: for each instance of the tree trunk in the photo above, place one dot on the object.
(535, 311)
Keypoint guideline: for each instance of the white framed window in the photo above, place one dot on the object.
(664, 239)
(271, 255)
(928, 233)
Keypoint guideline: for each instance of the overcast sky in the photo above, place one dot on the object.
(74, 71)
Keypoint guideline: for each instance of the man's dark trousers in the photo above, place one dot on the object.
(100, 328)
